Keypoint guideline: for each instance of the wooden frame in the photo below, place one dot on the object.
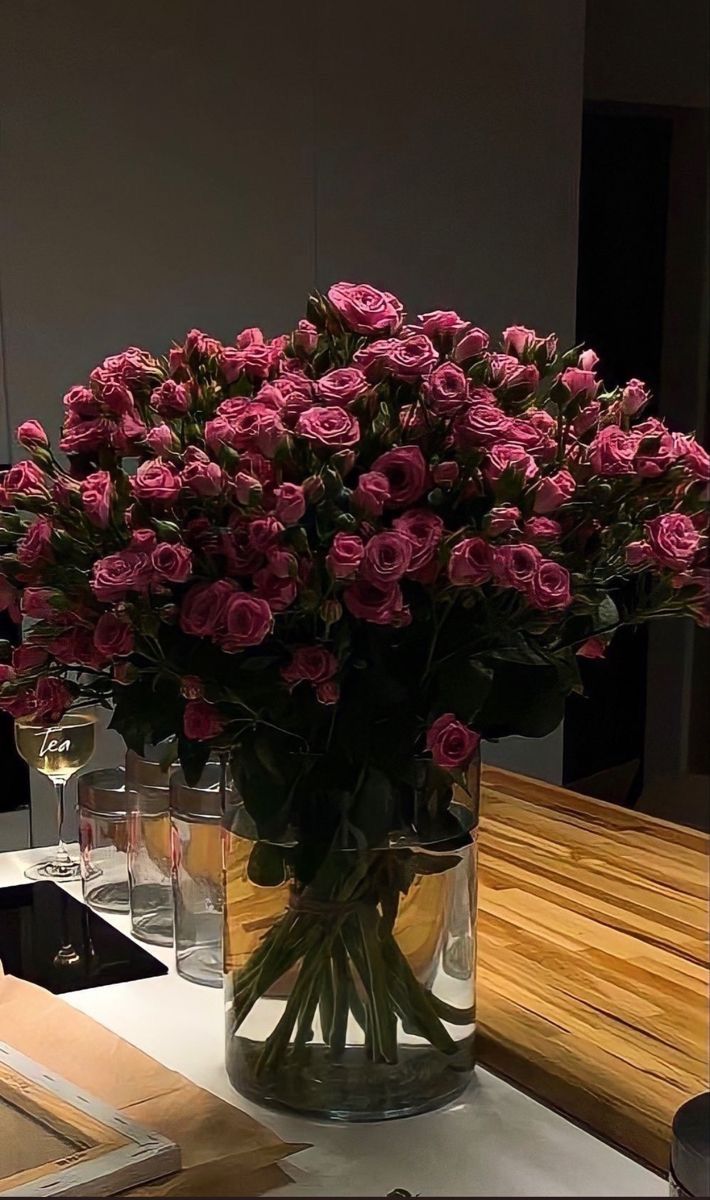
(112, 1152)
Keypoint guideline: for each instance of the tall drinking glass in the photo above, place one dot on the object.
(57, 751)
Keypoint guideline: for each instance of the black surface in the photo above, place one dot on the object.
(38, 920)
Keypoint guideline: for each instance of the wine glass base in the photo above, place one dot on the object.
(50, 868)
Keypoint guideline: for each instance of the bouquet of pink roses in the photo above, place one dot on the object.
(341, 553)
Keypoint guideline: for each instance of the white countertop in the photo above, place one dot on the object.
(495, 1141)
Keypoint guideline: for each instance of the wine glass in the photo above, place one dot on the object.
(58, 751)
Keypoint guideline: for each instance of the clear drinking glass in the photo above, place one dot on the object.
(149, 886)
(198, 892)
(58, 751)
(103, 839)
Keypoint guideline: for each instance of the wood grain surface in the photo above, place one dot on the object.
(593, 958)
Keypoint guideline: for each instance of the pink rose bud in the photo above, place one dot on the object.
(442, 323)
(328, 692)
(192, 687)
(634, 397)
(305, 337)
(580, 384)
(31, 434)
(371, 494)
(587, 360)
(553, 491)
(96, 497)
(248, 489)
(471, 345)
(445, 474)
(452, 744)
(290, 503)
(594, 647)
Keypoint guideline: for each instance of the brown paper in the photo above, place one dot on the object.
(221, 1146)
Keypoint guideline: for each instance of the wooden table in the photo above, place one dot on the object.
(593, 958)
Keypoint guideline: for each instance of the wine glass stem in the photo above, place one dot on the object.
(62, 852)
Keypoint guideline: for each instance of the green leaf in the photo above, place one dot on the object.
(607, 614)
(462, 687)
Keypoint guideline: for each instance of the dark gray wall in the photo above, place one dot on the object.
(169, 163)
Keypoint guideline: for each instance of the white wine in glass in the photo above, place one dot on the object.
(58, 751)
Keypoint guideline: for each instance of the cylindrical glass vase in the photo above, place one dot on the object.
(352, 997)
(196, 821)
(149, 848)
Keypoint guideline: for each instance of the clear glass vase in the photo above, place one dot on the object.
(352, 997)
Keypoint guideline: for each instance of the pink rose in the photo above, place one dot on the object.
(257, 428)
(248, 490)
(673, 540)
(200, 474)
(201, 721)
(446, 390)
(509, 459)
(551, 586)
(115, 397)
(96, 497)
(518, 340)
(113, 636)
(38, 603)
(159, 439)
(501, 519)
(581, 385)
(507, 372)
(657, 449)
(328, 692)
(305, 337)
(37, 543)
(144, 540)
(253, 336)
(452, 744)
(542, 529)
(247, 621)
(343, 386)
(53, 699)
(345, 555)
(31, 434)
(471, 563)
(587, 418)
(693, 456)
(218, 433)
(202, 608)
(412, 357)
(80, 402)
(200, 345)
(7, 673)
(612, 451)
(553, 491)
(516, 566)
(371, 494)
(172, 561)
(329, 427)
(423, 530)
(264, 533)
(638, 554)
(588, 360)
(634, 397)
(594, 647)
(310, 664)
(406, 472)
(445, 474)
(256, 360)
(25, 481)
(442, 323)
(116, 574)
(364, 308)
(380, 604)
(85, 437)
(276, 586)
(472, 344)
(387, 558)
(156, 482)
(292, 395)
(482, 424)
(29, 657)
(131, 366)
(290, 503)
(372, 359)
(171, 399)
